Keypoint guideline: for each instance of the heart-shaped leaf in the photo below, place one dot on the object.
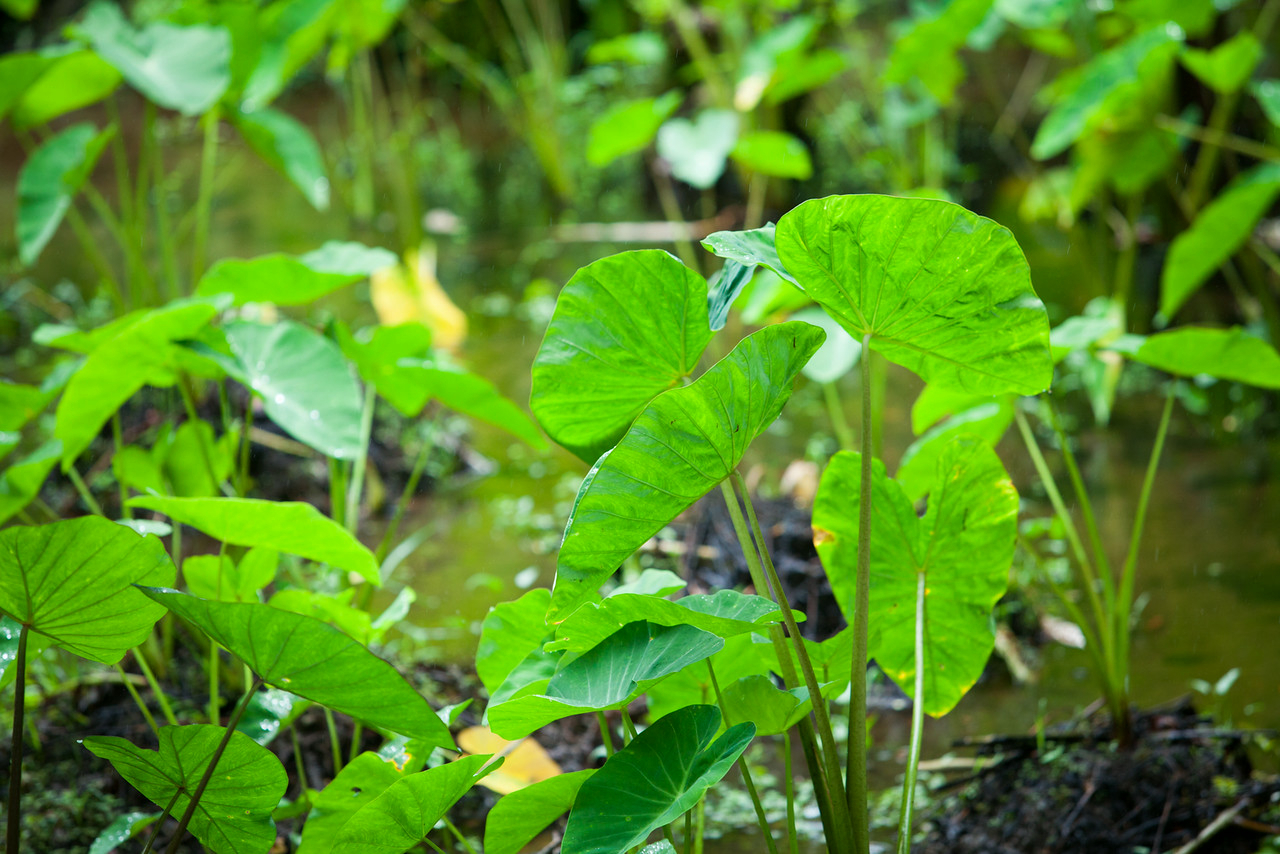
(219, 577)
(1217, 233)
(50, 179)
(742, 656)
(312, 659)
(520, 816)
(628, 127)
(938, 289)
(293, 527)
(756, 700)
(625, 329)
(771, 152)
(70, 79)
(653, 780)
(289, 147)
(140, 352)
(1228, 66)
(1227, 354)
(304, 382)
(402, 816)
(682, 445)
(357, 784)
(288, 280)
(71, 582)
(234, 813)
(180, 68)
(954, 562)
(697, 150)
(988, 421)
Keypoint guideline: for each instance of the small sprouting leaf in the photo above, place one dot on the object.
(312, 659)
(234, 813)
(684, 443)
(71, 582)
(625, 329)
(749, 248)
(771, 152)
(628, 127)
(1227, 67)
(938, 289)
(1219, 230)
(520, 816)
(287, 145)
(50, 179)
(357, 784)
(286, 280)
(1227, 354)
(292, 527)
(698, 150)
(959, 551)
(653, 780)
(181, 68)
(402, 816)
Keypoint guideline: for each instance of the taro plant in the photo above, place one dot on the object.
(927, 284)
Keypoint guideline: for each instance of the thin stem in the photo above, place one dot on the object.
(1220, 138)
(1102, 563)
(246, 427)
(95, 256)
(356, 486)
(213, 762)
(756, 192)
(13, 831)
(189, 404)
(835, 411)
(156, 690)
(159, 822)
(92, 503)
(337, 490)
(334, 745)
(671, 210)
(457, 834)
(204, 201)
(743, 768)
(137, 699)
(793, 840)
(297, 762)
(118, 443)
(605, 735)
(406, 495)
(357, 732)
(163, 233)
(917, 727)
(856, 767)
(629, 728)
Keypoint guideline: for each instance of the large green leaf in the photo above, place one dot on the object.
(955, 560)
(1228, 66)
(724, 613)
(357, 784)
(304, 381)
(683, 444)
(289, 147)
(1228, 354)
(1217, 233)
(139, 353)
(509, 633)
(22, 480)
(234, 813)
(1107, 75)
(653, 780)
(614, 672)
(520, 816)
(71, 582)
(180, 68)
(628, 127)
(50, 178)
(71, 79)
(402, 816)
(938, 289)
(773, 710)
(293, 527)
(742, 656)
(626, 328)
(988, 421)
(288, 280)
(304, 656)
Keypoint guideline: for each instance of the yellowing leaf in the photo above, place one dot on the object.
(411, 292)
(526, 761)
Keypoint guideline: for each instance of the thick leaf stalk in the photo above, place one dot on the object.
(13, 831)
(856, 772)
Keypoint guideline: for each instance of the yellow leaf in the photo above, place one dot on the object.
(526, 761)
(411, 292)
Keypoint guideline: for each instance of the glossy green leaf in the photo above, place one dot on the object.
(960, 552)
(724, 613)
(1228, 66)
(50, 179)
(357, 784)
(988, 421)
(72, 79)
(653, 780)
(136, 468)
(309, 658)
(625, 329)
(1227, 354)
(141, 352)
(1106, 74)
(697, 150)
(292, 527)
(180, 68)
(71, 582)
(938, 289)
(304, 381)
(1219, 230)
(682, 445)
(234, 813)
(390, 358)
(10, 639)
(770, 152)
(749, 248)
(628, 127)
(520, 816)
(287, 145)
(288, 280)
(269, 711)
(21, 481)
(121, 830)
(222, 579)
(402, 816)
(837, 355)
(614, 672)
(770, 709)
(510, 632)
(473, 395)
(651, 582)
(742, 656)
